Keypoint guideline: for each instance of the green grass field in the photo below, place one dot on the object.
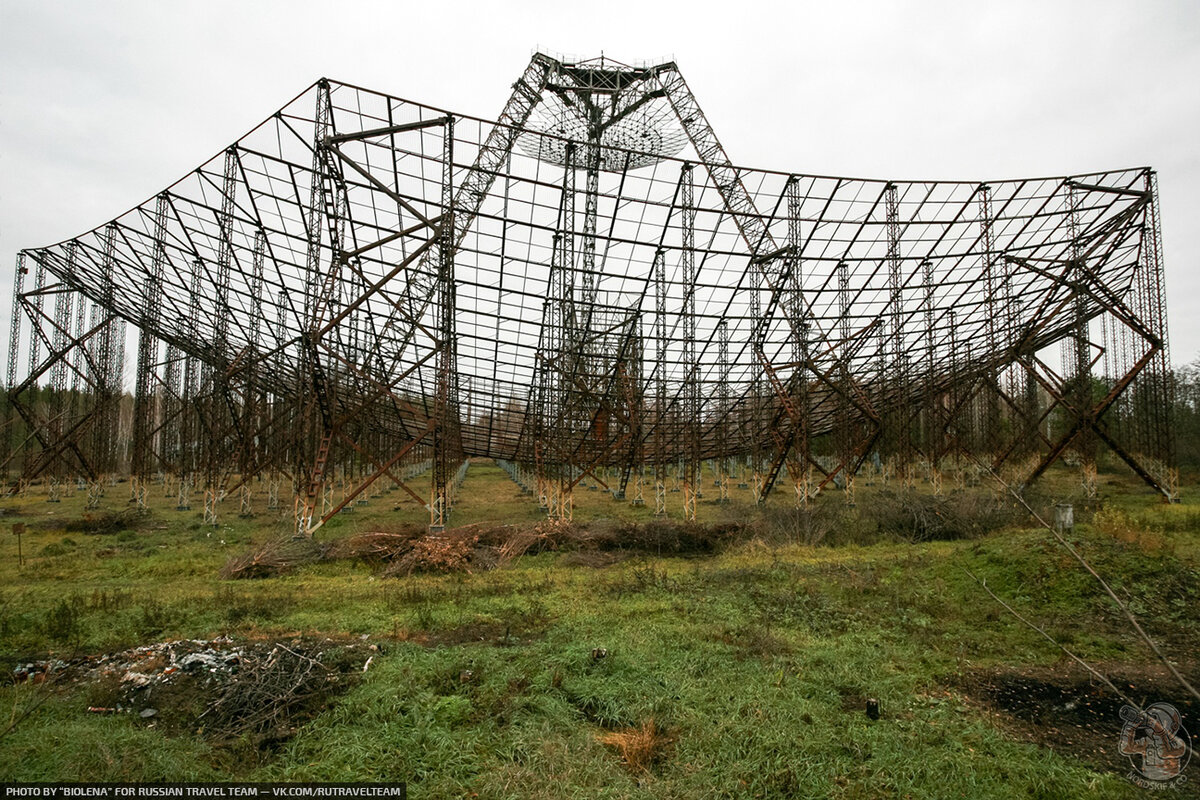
(737, 673)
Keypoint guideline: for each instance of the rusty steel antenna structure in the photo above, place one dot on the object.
(363, 292)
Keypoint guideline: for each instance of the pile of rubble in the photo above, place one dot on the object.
(227, 689)
(38, 671)
(138, 672)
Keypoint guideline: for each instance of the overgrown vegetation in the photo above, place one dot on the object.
(617, 657)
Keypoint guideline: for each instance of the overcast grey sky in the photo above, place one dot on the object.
(102, 104)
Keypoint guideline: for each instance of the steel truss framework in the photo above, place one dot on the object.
(363, 289)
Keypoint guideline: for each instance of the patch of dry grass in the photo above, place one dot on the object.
(640, 747)
(1124, 528)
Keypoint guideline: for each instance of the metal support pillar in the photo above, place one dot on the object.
(899, 386)
(11, 441)
(722, 415)
(988, 438)
(661, 415)
(445, 405)
(1079, 349)
(932, 435)
(845, 421)
(691, 360)
(145, 413)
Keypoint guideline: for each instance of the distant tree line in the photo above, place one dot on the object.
(1187, 415)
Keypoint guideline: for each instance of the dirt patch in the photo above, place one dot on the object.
(1068, 711)
(851, 701)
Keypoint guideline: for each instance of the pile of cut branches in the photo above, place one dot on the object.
(276, 557)
(273, 692)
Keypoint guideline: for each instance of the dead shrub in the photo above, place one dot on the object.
(908, 515)
(976, 515)
(811, 525)
(916, 517)
(641, 747)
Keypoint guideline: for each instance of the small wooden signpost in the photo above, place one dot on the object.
(18, 530)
